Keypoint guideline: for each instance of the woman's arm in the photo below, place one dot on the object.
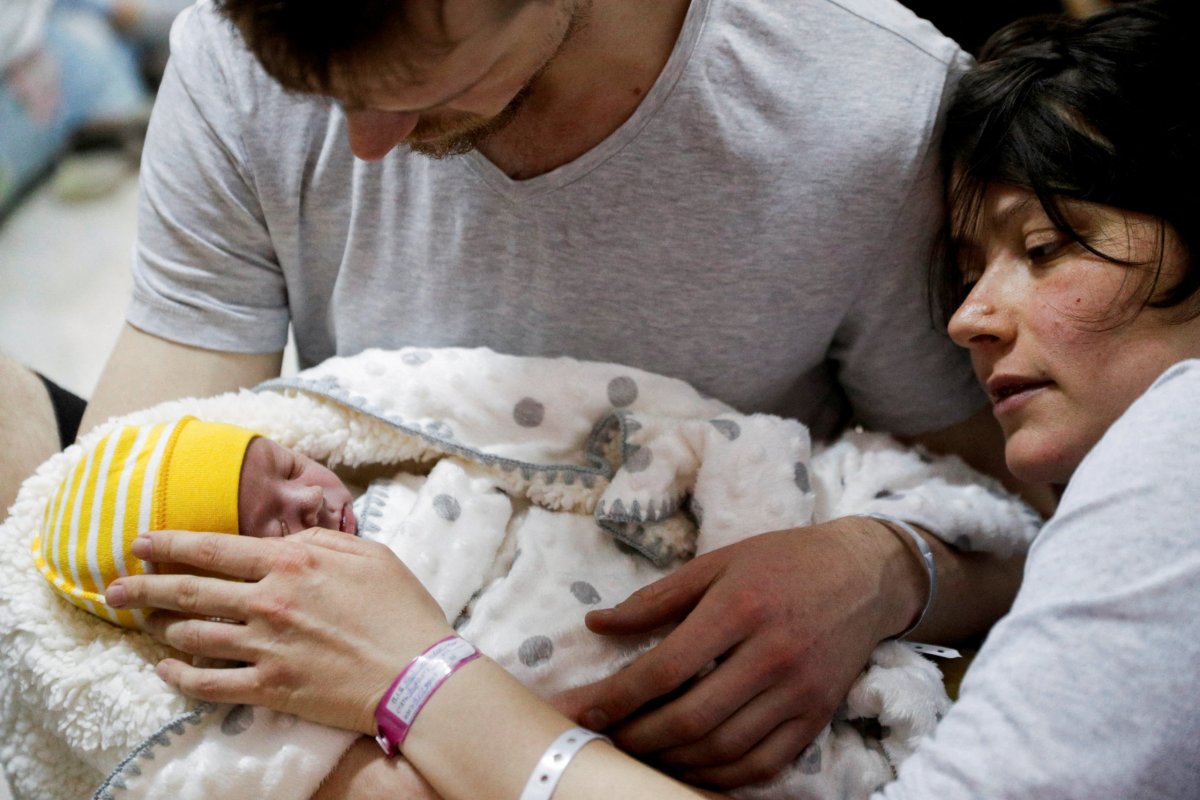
(1086, 688)
(313, 647)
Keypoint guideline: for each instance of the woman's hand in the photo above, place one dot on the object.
(322, 621)
(789, 618)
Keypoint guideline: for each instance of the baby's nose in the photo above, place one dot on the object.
(311, 506)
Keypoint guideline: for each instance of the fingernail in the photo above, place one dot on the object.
(595, 719)
(116, 596)
(141, 546)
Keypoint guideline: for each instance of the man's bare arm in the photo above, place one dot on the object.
(144, 370)
(28, 433)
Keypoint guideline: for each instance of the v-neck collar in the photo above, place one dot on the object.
(558, 177)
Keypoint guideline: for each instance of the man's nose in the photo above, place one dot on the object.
(373, 133)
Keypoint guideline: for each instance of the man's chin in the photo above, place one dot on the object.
(468, 137)
(445, 147)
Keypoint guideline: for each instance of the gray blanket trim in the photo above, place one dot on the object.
(441, 436)
(145, 751)
(623, 524)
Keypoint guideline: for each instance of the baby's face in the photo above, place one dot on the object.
(283, 492)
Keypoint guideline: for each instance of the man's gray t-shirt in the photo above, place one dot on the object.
(760, 226)
(1088, 688)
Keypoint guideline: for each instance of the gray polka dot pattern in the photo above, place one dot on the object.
(622, 391)
(639, 459)
(535, 650)
(585, 593)
(887, 494)
(416, 358)
(810, 760)
(529, 413)
(963, 542)
(238, 720)
(801, 477)
(728, 428)
(446, 507)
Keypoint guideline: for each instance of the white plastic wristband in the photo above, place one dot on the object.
(554, 761)
(413, 687)
(926, 558)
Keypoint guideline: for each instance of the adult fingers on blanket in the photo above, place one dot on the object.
(790, 615)
(668, 599)
(762, 763)
(326, 628)
(604, 703)
(741, 738)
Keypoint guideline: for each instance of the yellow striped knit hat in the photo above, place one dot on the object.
(180, 475)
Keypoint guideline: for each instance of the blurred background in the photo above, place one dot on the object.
(77, 79)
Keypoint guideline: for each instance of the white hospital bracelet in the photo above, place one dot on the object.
(554, 761)
(926, 558)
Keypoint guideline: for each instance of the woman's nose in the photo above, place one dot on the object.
(978, 321)
(373, 133)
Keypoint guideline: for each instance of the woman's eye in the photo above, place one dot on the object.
(1043, 248)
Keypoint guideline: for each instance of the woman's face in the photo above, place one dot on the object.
(1057, 334)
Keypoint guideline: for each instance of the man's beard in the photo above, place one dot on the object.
(462, 133)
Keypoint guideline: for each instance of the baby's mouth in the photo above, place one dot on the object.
(347, 523)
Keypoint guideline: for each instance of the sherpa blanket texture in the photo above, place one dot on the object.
(523, 492)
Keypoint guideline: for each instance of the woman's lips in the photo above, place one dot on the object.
(1011, 395)
(347, 523)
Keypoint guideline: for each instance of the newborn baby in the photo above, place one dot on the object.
(185, 475)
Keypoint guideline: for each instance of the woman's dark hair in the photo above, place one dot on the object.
(1097, 110)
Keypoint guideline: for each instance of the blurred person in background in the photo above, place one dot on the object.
(76, 72)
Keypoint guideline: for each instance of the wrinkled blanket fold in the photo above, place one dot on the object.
(523, 492)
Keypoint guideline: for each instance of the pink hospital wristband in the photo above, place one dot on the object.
(413, 687)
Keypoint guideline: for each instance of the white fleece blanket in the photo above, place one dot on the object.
(524, 492)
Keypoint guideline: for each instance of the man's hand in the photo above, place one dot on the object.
(789, 618)
(322, 621)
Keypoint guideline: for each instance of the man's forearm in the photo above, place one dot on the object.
(144, 370)
(28, 431)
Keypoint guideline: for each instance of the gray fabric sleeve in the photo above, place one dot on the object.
(900, 369)
(1087, 688)
(204, 272)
